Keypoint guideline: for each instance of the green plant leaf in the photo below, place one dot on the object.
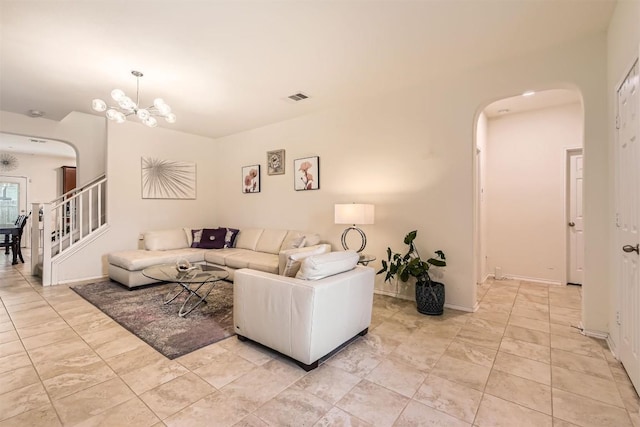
(404, 276)
(410, 237)
(384, 267)
(440, 254)
(437, 262)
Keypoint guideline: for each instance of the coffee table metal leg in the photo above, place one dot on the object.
(193, 293)
(175, 292)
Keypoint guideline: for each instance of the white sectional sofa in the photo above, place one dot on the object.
(328, 303)
(255, 248)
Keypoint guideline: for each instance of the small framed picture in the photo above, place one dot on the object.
(251, 179)
(275, 162)
(306, 172)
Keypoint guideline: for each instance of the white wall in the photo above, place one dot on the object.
(526, 157)
(623, 41)
(411, 154)
(131, 215)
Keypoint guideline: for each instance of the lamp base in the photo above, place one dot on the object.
(362, 236)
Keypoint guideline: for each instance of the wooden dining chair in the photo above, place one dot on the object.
(18, 238)
(7, 242)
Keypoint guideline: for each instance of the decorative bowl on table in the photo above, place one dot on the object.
(182, 265)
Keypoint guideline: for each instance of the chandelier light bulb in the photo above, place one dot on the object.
(117, 94)
(127, 103)
(125, 106)
(111, 114)
(151, 122)
(143, 114)
(164, 109)
(99, 105)
(120, 117)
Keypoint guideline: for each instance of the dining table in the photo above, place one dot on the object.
(11, 233)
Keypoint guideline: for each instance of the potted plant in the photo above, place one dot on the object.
(429, 294)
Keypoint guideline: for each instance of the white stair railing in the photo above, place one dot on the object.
(66, 221)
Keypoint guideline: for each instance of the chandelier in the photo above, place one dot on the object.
(126, 107)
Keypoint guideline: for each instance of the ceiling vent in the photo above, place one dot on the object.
(298, 96)
(35, 113)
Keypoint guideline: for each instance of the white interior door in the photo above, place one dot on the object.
(576, 219)
(627, 221)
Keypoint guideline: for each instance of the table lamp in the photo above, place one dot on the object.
(354, 213)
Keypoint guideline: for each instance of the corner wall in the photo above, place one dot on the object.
(131, 215)
(481, 199)
(128, 215)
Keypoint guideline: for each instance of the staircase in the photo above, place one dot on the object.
(65, 225)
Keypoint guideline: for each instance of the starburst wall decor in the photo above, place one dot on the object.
(167, 179)
(8, 162)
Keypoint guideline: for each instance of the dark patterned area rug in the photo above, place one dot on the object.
(143, 313)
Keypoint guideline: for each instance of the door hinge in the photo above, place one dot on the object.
(618, 318)
(618, 219)
(617, 122)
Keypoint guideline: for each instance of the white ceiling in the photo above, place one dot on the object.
(228, 66)
(36, 146)
(542, 99)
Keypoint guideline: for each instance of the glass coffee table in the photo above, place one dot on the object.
(198, 282)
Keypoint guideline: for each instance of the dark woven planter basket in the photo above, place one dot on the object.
(430, 298)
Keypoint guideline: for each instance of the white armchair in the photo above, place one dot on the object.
(302, 319)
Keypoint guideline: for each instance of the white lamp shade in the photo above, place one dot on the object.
(354, 213)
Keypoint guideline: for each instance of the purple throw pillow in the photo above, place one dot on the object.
(230, 238)
(212, 238)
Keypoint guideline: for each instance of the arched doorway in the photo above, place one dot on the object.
(523, 194)
(33, 171)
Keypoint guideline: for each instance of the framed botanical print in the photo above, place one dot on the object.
(275, 162)
(251, 179)
(306, 172)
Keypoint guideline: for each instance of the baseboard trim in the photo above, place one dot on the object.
(596, 334)
(612, 347)
(75, 281)
(392, 294)
(527, 279)
(449, 306)
(461, 308)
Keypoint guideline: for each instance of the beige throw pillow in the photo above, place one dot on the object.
(295, 260)
(320, 266)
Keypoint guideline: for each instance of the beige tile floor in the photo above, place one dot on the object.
(517, 361)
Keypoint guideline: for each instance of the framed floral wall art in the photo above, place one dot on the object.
(275, 162)
(306, 172)
(251, 179)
